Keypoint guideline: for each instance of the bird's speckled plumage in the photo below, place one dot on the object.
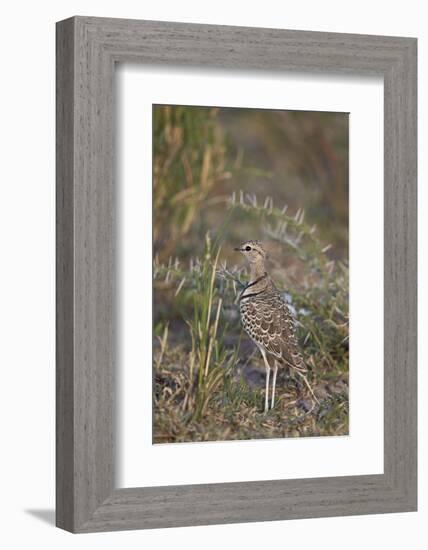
(267, 320)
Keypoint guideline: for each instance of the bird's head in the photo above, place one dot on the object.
(253, 251)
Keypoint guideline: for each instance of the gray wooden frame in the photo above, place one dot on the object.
(87, 50)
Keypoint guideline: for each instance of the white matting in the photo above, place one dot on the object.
(144, 464)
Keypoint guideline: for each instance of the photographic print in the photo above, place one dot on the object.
(250, 274)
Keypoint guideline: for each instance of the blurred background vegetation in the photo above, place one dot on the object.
(222, 176)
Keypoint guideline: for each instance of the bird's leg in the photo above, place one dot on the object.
(275, 371)
(262, 351)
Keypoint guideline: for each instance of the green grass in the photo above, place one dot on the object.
(235, 410)
(209, 378)
(209, 384)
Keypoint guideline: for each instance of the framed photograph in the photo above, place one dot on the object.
(236, 274)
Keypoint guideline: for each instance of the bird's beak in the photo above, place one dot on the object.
(237, 249)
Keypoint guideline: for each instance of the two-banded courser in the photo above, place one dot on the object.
(267, 320)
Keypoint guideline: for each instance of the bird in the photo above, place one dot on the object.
(266, 318)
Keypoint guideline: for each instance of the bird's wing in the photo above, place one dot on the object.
(275, 329)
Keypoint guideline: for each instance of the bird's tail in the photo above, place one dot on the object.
(300, 366)
(296, 362)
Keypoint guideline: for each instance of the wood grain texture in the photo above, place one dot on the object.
(87, 50)
(64, 277)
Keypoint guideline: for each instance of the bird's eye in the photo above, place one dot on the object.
(247, 248)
